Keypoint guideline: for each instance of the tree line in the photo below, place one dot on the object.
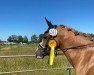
(90, 34)
(24, 39)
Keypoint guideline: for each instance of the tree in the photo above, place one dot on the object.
(14, 38)
(92, 35)
(20, 39)
(0, 40)
(25, 39)
(9, 39)
(40, 37)
(34, 39)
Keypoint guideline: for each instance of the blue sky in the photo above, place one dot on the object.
(26, 17)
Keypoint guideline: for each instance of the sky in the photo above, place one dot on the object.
(26, 17)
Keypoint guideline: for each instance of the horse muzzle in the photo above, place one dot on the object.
(41, 52)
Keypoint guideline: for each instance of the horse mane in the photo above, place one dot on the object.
(76, 32)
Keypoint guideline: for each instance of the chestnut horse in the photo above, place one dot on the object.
(78, 48)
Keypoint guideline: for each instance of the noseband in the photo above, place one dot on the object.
(51, 38)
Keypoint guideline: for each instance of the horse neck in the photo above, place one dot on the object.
(70, 40)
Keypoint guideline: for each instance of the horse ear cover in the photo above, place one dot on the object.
(50, 25)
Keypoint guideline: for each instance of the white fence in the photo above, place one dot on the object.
(16, 56)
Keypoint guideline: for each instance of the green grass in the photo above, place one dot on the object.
(17, 49)
(29, 63)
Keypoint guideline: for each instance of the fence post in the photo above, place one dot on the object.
(68, 70)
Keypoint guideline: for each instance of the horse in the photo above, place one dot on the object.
(78, 47)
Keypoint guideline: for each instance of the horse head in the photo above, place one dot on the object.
(52, 33)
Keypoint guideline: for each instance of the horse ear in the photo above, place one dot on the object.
(50, 25)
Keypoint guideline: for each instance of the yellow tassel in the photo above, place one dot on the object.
(52, 55)
(52, 45)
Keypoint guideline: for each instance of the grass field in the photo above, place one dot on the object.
(28, 63)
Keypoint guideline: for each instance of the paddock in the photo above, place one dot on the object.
(67, 68)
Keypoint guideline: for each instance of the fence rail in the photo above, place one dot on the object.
(16, 56)
(36, 70)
